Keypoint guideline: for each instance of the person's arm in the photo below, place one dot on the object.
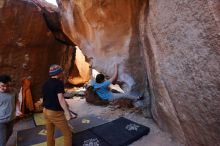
(90, 66)
(18, 111)
(114, 77)
(90, 71)
(64, 105)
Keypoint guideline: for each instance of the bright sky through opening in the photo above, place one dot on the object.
(54, 2)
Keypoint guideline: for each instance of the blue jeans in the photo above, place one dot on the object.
(6, 130)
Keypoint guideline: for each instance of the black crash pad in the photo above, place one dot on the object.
(120, 132)
(87, 138)
(33, 136)
(83, 123)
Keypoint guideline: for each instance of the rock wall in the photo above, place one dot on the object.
(172, 44)
(169, 49)
(27, 46)
(182, 42)
(108, 32)
(76, 67)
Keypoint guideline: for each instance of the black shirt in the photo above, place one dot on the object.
(50, 90)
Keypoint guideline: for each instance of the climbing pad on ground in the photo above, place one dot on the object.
(35, 136)
(25, 123)
(86, 122)
(88, 138)
(39, 119)
(119, 132)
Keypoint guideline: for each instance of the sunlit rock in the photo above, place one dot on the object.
(172, 44)
(27, 46)
(108, 32)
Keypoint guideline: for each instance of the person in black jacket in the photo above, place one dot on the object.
(56, 111)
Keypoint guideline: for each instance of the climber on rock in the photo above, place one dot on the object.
(101, 87)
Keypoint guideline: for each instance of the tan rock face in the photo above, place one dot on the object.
(27, 46)
(108, 32)
(173, 45)
(75, 66)
(183, 68)
(176, 41)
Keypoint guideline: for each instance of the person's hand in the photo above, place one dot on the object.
(90, 62)
(71, 117)
(68, 116)
(90, 58)
(116, 68)
(18, 113)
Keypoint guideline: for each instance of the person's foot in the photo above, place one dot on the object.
(138, 104)
(141, 97)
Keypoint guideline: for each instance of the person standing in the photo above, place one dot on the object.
(9, 107)
(55, 110)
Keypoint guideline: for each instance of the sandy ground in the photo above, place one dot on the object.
(156, 137)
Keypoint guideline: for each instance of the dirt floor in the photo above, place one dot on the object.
(156, 137)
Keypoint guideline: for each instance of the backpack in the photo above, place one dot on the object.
(93, 98)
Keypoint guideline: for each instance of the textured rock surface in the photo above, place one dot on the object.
(27, 46)
(178, 43)
(214, 6)
(183, 60)
(172, 44)
(75, 66)
(108, 32)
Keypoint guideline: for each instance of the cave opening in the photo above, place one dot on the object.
(76, 66)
